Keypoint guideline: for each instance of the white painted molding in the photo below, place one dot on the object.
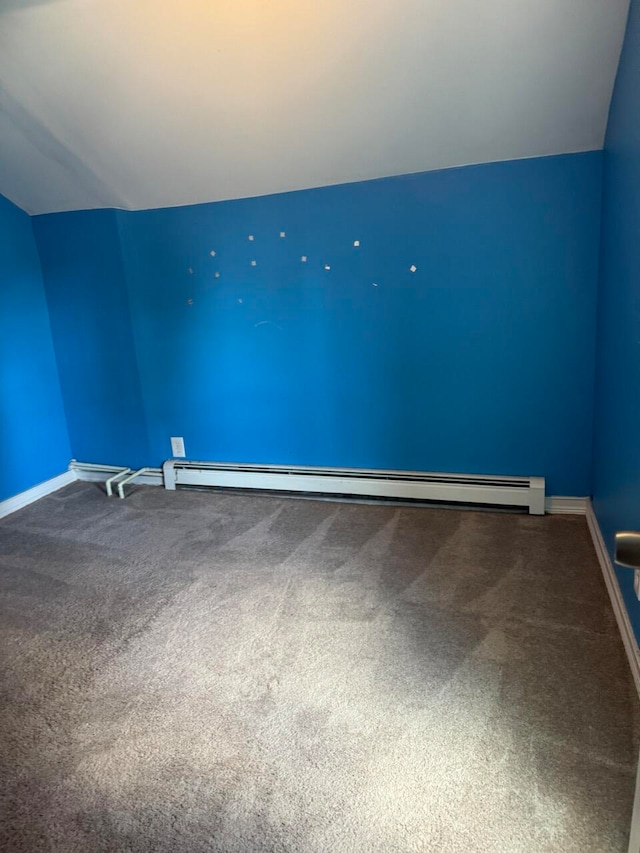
(557, 505)
(25, 498)
(619, 608)
(100, 473)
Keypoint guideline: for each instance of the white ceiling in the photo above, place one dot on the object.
(149, 103)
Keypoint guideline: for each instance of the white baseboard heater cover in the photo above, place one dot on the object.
(411, 485)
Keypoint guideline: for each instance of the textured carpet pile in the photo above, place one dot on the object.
(193, 672)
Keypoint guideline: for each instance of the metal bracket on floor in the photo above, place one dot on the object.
(131, 477)
(93, 468)
(109, 483)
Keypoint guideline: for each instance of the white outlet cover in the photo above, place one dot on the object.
(177, 447)
(636, 584)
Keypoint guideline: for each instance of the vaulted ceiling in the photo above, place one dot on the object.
(148, 103)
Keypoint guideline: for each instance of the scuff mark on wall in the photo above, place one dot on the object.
(267, 323)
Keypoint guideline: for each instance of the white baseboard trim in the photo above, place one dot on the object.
(619, 608)
(153, 477)
(36, 492)
(557, 505)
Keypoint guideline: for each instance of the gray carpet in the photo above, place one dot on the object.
(193, 672)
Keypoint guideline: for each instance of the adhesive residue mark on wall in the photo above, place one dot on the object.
(267, 323)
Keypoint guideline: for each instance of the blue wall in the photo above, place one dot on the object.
(34, 445)
(85, 285)
(617, 409)
(481, 361)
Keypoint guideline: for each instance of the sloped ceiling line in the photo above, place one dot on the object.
(50, 146)
(152, 103)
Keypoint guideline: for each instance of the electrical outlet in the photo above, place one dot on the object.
(177, 447)
(636, 583)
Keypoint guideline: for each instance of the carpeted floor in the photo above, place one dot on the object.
(193, 672)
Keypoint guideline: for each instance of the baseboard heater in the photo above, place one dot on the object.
(409, 485)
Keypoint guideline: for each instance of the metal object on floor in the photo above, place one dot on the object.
(131, 477)
(627, 552)
(109, 483)
(92, 468)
